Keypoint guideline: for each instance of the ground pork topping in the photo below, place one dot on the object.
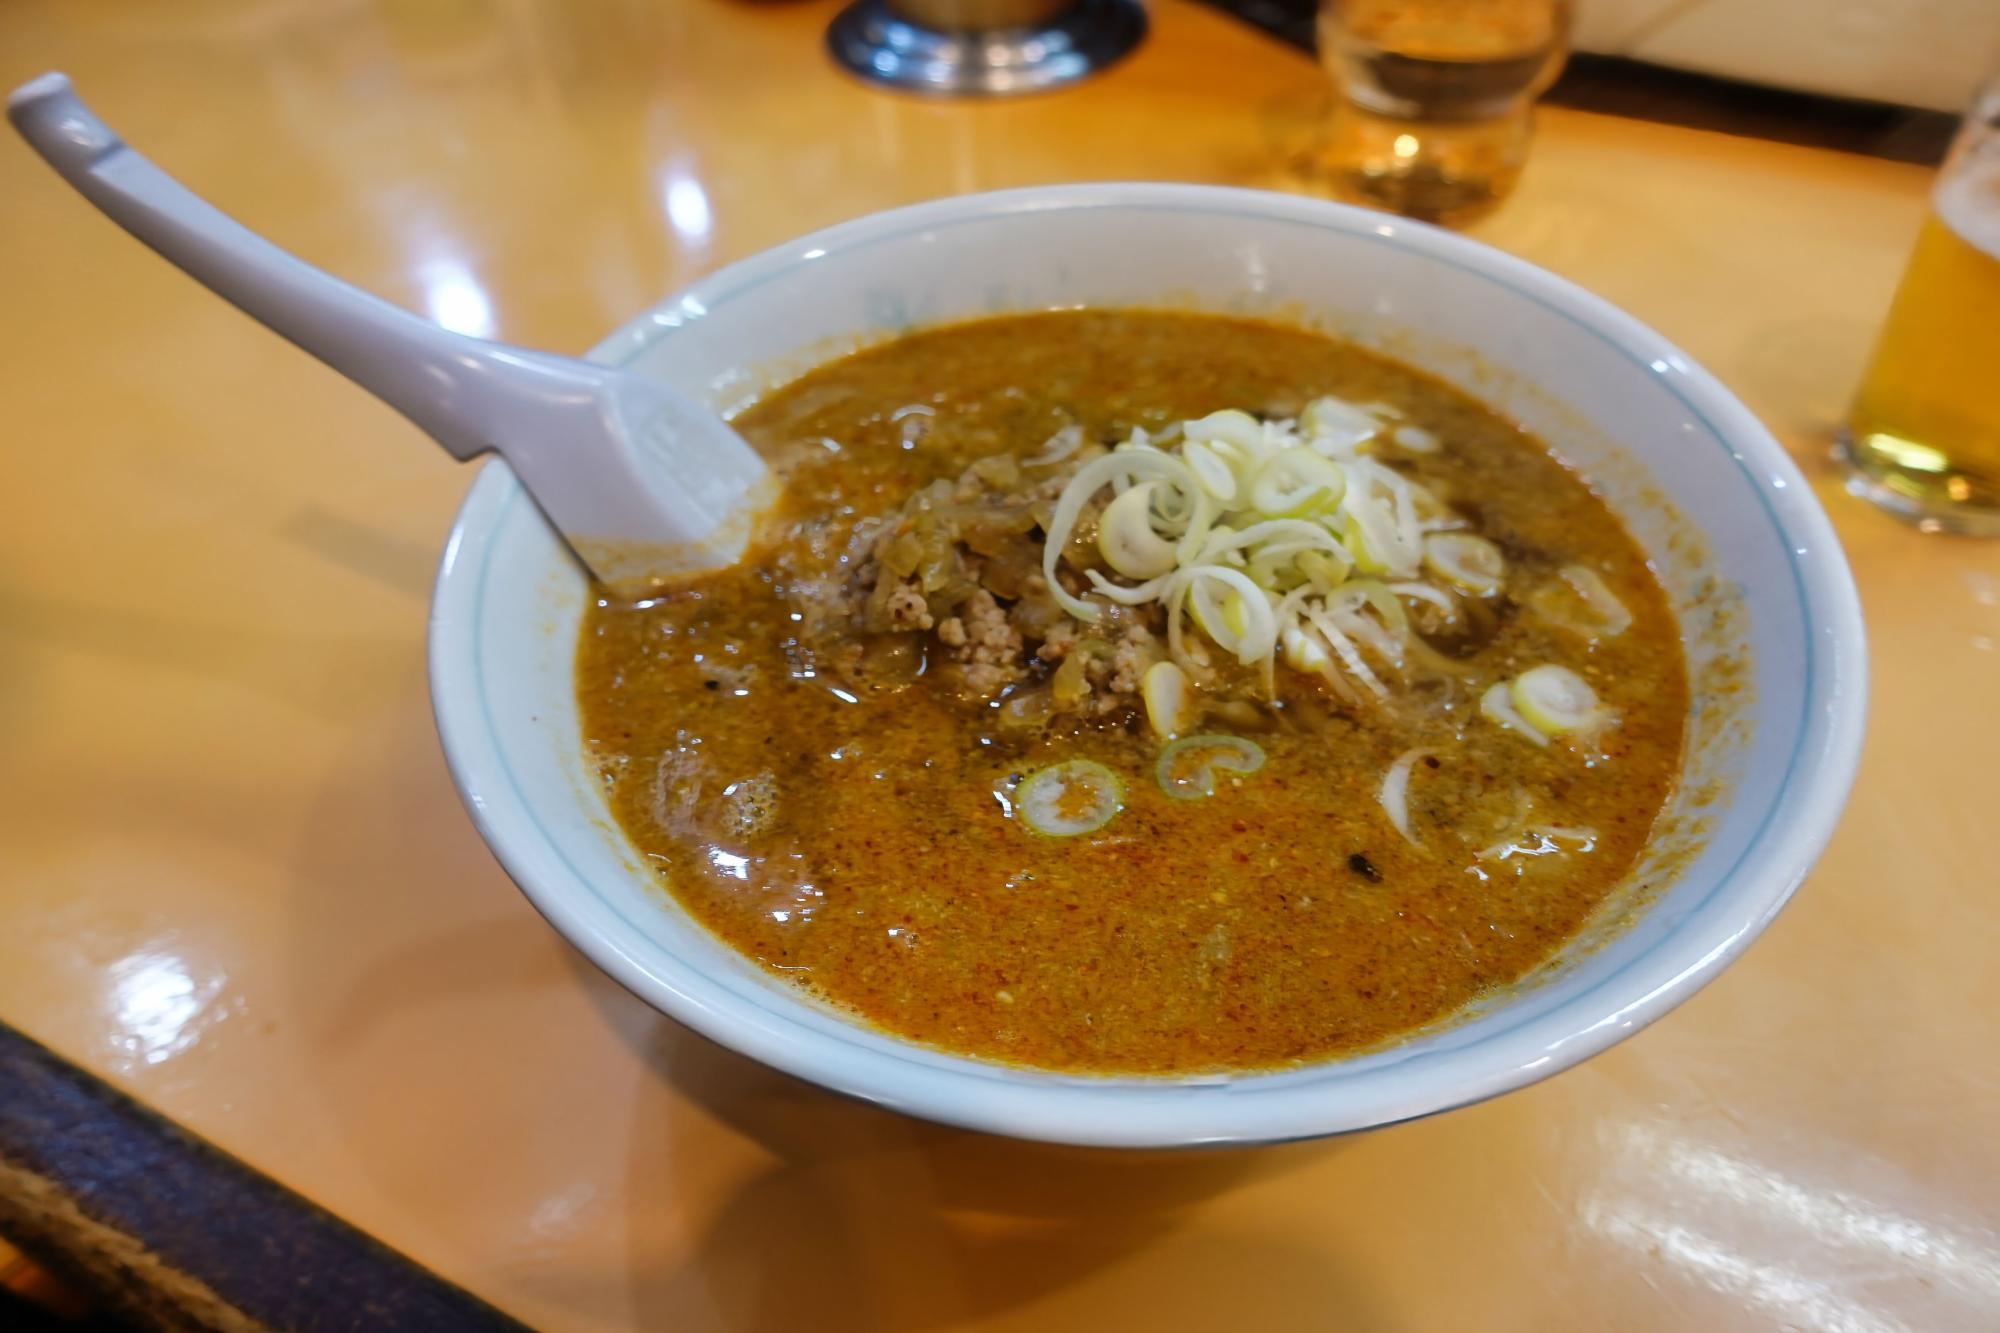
(951, 584)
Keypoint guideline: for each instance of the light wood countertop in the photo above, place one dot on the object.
(238, 884)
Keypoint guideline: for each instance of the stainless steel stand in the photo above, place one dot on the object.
(983, 48)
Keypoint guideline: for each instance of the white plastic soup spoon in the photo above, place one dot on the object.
(643, 481)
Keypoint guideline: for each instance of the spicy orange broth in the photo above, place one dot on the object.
(858, 848)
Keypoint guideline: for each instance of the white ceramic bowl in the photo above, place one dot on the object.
(1752, 567)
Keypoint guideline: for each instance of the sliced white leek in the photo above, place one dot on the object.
(1555, 700)
(1424, 592)
(1373, 541)
(1121, 465)
(1467, 561)
(1395, 793)
(1212, 466)
(1125, 536)
(1148, 591)
(1060, 446)
(1231, 427)
(1169, 697)
(1497, 705)
(1297, 482)
(1275, 536)
(1304, 652)
(1611, 613)
(1343, 647)
(1583, 603)
(1326, 569)
(1241, 624)
(1248, 528)
(1337, 427)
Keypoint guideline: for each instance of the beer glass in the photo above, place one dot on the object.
(1923, 437)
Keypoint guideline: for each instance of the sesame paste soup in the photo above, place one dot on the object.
(1142, 692)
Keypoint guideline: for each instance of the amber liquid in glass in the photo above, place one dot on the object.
(1924, 435)
(1436, 97)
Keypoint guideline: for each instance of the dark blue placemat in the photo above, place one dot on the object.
(168, 1228)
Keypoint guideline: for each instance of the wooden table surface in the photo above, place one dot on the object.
(237, 882)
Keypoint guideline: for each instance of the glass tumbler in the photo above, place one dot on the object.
(1435, 99)
(1923, 437)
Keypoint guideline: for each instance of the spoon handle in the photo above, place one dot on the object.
(445, 382)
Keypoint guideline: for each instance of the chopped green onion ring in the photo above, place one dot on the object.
(1063, 800)
(1187, 768)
